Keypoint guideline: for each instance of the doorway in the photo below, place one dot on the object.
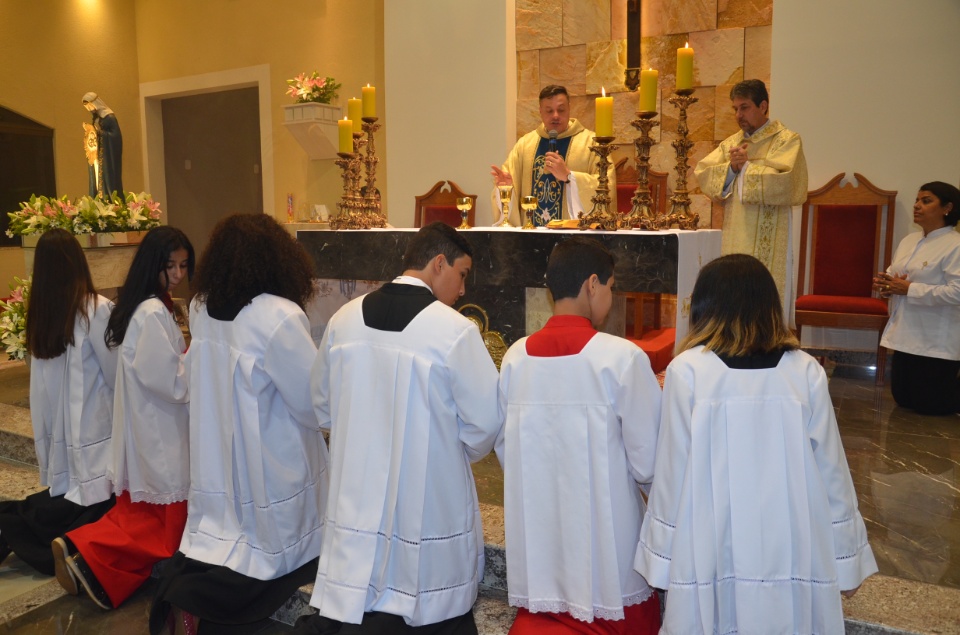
(212, 162)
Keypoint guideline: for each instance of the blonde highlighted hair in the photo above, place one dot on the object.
(736, 311)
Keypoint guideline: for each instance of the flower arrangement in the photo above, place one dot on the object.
(312, 88)
(85, 215)
(13, 319)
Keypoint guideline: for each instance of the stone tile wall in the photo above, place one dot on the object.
(582, 44)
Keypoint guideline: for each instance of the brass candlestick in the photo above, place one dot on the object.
(350, 208)
(464, 203)
(642, 214)
(680, 201)
(528, 204)
(600, 213)
(505, 191)
(372, 207)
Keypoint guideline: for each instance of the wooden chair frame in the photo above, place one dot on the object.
(866, 193)
(443, 194)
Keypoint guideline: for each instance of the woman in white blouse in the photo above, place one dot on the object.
(923, 284)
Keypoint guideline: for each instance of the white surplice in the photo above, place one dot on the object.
(407, 413)
(151, 450)
(580, 433)
(71, 406)
(753, 524)
(259, 480)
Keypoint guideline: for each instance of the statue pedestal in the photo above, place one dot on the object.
(108, 256)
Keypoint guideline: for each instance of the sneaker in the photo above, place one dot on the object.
(183, 623)
(78, 567)
(64, 576)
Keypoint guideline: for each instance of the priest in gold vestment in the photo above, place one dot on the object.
(759, 173)
(561, 172)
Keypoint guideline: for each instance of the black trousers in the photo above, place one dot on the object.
(28, 526)
(224, 601)
(385, 624)
(928, 385)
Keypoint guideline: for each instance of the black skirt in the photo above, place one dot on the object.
(28, 526)
(223, 600)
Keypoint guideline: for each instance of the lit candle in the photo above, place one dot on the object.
(648, 90)
(345, 128)
(354, 113)
(369, 101)
(685, 67)
(604, 115)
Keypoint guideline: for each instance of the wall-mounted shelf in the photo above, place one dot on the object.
(314, 126)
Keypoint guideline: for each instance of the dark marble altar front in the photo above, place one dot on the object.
(505, 263)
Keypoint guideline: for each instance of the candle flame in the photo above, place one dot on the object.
(603, 91)
(686, 45)
(368, 85)
(345, 118)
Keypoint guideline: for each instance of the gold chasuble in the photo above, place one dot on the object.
(756, 211)
(522, 162)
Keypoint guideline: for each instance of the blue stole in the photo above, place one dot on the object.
(546, 188)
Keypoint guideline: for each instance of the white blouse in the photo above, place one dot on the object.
(925, 321)
(151, 449)
(71, 405)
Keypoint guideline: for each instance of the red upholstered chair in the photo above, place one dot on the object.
(440, 204)
(846, 236)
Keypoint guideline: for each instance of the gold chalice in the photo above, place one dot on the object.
(528, 204)
(464, 203)
(506, 191)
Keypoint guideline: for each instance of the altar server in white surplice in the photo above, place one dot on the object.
(409, 393)
(71, 403)
(753, 524)
(258, 477)
(582, 410)
(149, 469)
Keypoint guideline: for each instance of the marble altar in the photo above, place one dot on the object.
(507, 277)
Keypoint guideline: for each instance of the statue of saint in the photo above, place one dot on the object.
(107, 143)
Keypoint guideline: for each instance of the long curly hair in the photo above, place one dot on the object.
(143, 279)
(59, 295)
(249, 255)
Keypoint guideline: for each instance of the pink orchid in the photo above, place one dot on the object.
(48, 211)
(16, 295)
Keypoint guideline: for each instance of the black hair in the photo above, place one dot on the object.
(143, 279)
(248, 255)
(60, 292)
(735, 309)
(752, 89)
(947, 194)
(572, 262)
(431, 241)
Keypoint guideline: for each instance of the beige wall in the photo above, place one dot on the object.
(453, 125)
(340, 38)
(51, 53)
(876, 92)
